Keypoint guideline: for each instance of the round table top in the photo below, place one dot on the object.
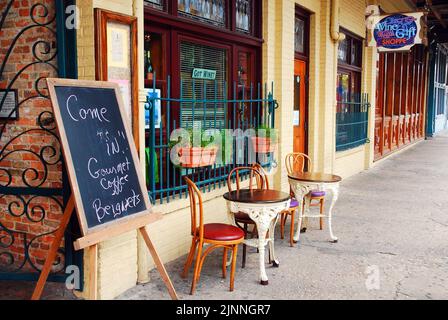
(257, 196)
(315, 177)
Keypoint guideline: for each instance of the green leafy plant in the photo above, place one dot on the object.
(267, 132)
(204, 144)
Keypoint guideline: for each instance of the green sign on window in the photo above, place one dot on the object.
(204, 74)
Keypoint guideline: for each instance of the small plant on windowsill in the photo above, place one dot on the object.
(265, 140)
(191, 156)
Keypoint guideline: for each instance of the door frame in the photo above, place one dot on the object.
(305, 15)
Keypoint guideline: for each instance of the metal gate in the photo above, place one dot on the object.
(33, 189)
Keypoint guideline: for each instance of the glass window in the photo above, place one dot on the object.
(351, 111)
(158, 4)
(244, 69)
(243, 15)
(440, 80)
(356, 52)
(208, 11)
(343, 86)
(299, 33)
(343, 50)
(194, 56)
(350, 51)
(153, 56)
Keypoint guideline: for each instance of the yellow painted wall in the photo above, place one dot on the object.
(117, 258)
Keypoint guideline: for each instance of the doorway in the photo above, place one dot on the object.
(300, 106)
(301, 60)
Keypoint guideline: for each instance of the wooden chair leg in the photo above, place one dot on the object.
(190, 258)
(232, 271)
(322, 210)
(291, 235)
(224, 263)
(196, 269)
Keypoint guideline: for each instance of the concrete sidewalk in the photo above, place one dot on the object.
(392, 221)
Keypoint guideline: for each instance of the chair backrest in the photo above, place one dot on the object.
(196, 208)
(256, 178)
(298, 162)
(260, 169)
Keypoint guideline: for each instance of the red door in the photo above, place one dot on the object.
(300, 106)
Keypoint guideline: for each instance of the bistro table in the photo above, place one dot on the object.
(302, 184)
(263, 207)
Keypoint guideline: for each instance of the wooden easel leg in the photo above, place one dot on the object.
(159, 264)
(54, 249)
(93, 272)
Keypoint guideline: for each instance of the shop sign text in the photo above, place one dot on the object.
(204, 74)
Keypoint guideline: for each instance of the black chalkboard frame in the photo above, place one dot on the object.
(99, 233)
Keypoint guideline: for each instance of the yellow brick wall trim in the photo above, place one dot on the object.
(117, 258)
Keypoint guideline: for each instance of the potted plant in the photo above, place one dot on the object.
(265, 140)
(191, 156)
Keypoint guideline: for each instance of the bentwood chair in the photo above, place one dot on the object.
(216, 235)
(299, 162)
(256, 179)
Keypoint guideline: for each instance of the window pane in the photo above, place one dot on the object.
(158, 4)
(343, 51)
(243, 15)
(153, 56)
(244, 69)
(208, 11)
(356, 53)
(210, 115)
(299, 41)
(343, 87)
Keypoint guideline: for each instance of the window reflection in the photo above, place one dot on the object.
(158, 4)
(208, 11)
(299, 32)
(243, 14)
(343, 50)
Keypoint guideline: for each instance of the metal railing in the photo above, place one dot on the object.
(352, 121)
(208, 104)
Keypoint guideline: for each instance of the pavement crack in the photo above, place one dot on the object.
(388, 253)
(438, 222)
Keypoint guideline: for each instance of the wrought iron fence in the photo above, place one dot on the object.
(33, 192)
(352, 121)
(209, 105)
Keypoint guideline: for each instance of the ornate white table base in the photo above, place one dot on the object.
(265, 217)
(302, 190)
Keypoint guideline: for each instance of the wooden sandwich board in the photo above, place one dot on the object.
(108, 189)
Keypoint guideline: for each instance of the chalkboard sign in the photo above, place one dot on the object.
(100, 154)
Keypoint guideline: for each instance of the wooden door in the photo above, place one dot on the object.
(300, 106)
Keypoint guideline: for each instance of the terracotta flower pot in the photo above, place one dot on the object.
(195, 157)
(263, 145)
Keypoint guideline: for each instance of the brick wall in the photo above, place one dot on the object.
(23, 141)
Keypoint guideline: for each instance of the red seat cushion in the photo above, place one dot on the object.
(222, 232)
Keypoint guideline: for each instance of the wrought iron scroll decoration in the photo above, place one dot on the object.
(28, 198)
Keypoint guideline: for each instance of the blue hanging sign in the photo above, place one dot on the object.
(396, 32)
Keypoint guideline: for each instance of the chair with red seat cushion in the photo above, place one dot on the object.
(217, 235)
(222, 232)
